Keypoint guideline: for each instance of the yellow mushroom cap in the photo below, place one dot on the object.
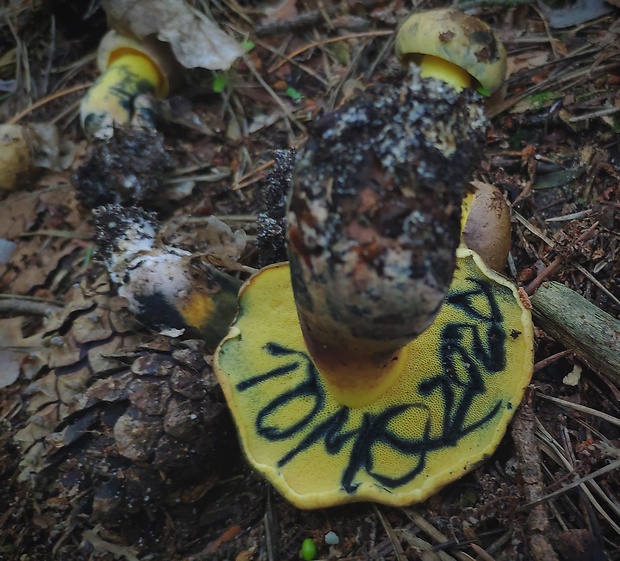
(452, 35)
(460, 384)
(114, 46)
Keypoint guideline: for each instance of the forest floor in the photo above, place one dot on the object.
(76, 486)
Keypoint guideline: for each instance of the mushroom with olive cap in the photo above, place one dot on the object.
(130, 68)
(384, 361)
(455, 47)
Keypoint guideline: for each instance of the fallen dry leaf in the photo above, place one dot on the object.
(195, 40)
(528, 61)
(285, 10)
(18, 355)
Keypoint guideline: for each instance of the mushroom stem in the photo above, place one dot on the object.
(373, 227)
(129, 69)
(111, 94)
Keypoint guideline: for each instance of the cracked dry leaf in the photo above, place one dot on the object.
(224, 247)
(18, 355)
(214, 240)
(195, 40)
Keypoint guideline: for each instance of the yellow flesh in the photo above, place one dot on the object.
(198, 309)
(112, 94)
(466, 208)
(445, 414)
(435, 67)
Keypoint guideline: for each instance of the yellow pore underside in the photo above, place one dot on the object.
(458, 386)
(434, 67)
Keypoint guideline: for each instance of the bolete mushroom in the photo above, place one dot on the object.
(384, 361)
(129, 68)
(455, 47)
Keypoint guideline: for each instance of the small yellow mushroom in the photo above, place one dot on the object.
(25, 150)
(129, 68)
(166, 287)
(15, 160)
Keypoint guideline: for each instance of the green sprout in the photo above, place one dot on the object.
(538, 100)
(293, 93)
(308, 550)
(219, 82)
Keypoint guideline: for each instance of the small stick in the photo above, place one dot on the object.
(528, 454)
(579, 325)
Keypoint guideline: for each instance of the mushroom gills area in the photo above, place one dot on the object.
(460, 384)
(436, 67)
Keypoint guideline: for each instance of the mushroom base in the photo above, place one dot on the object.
(446, 413)
(356, 380)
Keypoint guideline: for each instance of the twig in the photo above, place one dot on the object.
(528, 454)
(398, 549)
(50, 58)
(301, 21)
(553, 80)
(576, 483)
(45, 100)
(579, 325)
(599, 113)
(551, 359)
(543, 275)
(430, 530)
(26, 307)
(556, 450)
(274, 95)
(271, 528)
(329, 40)
(581, 408)
(481, 553)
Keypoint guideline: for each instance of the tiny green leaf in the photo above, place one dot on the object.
(308, 550)
(538, 100)
(247, 46)
(293, 93)
(88, 255)
(219, 82)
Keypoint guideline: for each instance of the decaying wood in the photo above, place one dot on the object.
(579, 325)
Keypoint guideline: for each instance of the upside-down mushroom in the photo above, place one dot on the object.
(384, 361)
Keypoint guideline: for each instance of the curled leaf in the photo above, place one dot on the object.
(196, 41)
